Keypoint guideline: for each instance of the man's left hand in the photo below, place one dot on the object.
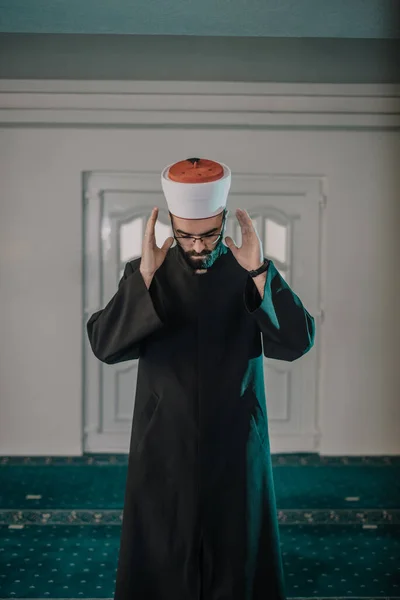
(250, 254)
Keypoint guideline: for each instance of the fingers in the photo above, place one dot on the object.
(149, 234)
(245, 222)
(243, 216)
(231, 244)
(167, 245)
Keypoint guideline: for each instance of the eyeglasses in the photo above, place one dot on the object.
(212, 238)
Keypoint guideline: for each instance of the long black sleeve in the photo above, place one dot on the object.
(287, 328)
(115, 332)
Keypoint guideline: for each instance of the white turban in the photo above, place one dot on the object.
(198, 200)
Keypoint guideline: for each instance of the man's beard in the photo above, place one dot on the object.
(205, 259)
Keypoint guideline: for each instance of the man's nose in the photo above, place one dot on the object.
(198, 246)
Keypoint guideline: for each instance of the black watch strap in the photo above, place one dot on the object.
(261, 269)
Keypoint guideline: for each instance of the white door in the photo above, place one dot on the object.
(286, 212)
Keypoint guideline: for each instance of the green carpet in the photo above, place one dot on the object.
(373, 486)
(339, 526)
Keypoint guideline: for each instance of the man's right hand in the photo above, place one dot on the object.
(152, 256)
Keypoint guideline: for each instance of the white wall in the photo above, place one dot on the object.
(41, 272)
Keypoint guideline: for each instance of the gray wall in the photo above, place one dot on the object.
(196, 58)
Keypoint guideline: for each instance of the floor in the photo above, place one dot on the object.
(339, 520)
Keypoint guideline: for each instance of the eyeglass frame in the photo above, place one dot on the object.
(202, 237)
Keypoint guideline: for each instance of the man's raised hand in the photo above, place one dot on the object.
(153, 256)
(250, 254)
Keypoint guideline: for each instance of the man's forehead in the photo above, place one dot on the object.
(197, 226)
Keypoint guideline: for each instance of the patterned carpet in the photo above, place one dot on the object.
(339, 522)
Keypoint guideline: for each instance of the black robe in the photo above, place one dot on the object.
(199, 519)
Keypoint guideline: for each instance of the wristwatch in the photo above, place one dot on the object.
(261, 269)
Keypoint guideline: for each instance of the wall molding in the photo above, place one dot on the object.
(198, 104)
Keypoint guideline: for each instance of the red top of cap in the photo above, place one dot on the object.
(196, 170)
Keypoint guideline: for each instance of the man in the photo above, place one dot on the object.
(199, 517)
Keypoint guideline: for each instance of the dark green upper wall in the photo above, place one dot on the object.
(196, 58)
(259, 18)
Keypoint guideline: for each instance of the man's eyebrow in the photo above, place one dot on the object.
(197, 234)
